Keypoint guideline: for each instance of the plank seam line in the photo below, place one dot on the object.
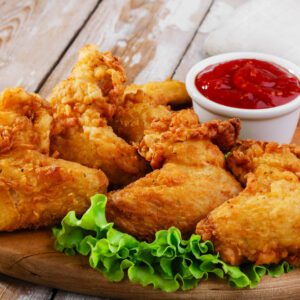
(77, 32)
(193, 38)
(54, 293)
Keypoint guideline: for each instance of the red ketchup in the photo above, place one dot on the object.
(248, 83)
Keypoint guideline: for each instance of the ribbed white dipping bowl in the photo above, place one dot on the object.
(270, 124)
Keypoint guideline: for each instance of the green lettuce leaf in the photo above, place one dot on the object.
(168, 263)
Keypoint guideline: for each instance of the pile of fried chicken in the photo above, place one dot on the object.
(161, 166)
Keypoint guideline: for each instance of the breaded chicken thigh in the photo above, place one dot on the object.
(190, 180)
(35, 189)
(83, 104)
(261, 224)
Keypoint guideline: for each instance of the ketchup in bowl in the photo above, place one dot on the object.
(248, 84)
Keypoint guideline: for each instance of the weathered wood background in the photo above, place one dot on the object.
(39, 40)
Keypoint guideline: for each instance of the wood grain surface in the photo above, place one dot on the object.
(144, 34)
(62, 295)
(33, 35)
(29, 255)
(17, 289)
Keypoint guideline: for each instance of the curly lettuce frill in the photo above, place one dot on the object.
(169, 263)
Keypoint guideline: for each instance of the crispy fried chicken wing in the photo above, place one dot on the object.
(261, 224)
(143, 103)
(190, 182)
(82, 105)
(37, 190)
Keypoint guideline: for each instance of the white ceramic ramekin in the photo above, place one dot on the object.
(270, 124)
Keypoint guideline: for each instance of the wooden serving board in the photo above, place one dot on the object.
(29, 255)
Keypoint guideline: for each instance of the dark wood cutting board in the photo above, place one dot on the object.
(29, 255)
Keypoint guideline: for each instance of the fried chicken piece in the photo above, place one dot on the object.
(82, 106)
(102, 69)
(37, 190)
(261, 224)
(25, 121)
(168, 92)
(190, 182)
(143, 103)
(136, 115)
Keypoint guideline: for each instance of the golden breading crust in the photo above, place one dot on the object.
(78, 103)
(261, 224)
(94, 89)
(168, 92)
(248, 154)
(25, 121)
(99, 147)
(136, 115)
(82, 106)
(191, 182)
(144, 103)
(102, 69)
(35, 189)
(159, 141)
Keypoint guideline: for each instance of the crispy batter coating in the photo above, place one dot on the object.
(168, 92)
(249, 155)
(95, 85)
(82, 106)
(102, 69)
(261, 224)
(166, 134)
(37, 190)
(77, 103)
(191, 182)
(99, 147)
(136, 115)
(143, 103)
(25, 121)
